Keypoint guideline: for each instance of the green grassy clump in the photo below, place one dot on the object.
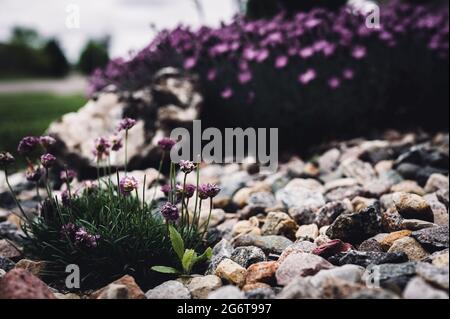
(132, 237)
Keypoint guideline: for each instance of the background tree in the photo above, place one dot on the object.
(94, 55)
(57, 62)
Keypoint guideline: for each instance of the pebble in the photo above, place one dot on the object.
(350, 273)
(356, 227)
(391, 220)
(410, 247)
(331, 248)
(387, 241)
(433, 238)
(250, 226)
(366, 258)
(7, 250)
(171, 289)
(327, 214)
(415, 224)
(269, 244)
(248, 255)
(417, 288)
(392, 276)
(223, 249)
(35, 267)
(370, 244)
(227, 292)
(279, 223)
(21, 284)
(437, 276)
(412, 206)
(114, 291)
(200, 287)
(262, 272)
(307, 232)
(6, 263)
(231, 272)
(300, 264)
(436, 182)
(439, 259)
(260, 293)
(298, 247)
(361, 171)
(133, 290)
(408, 187)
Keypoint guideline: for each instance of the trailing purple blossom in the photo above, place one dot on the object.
(79, 236)
(170, 212)
(127, 185)
(208, 191)
(28, 144)
(187, 166)
(48, 160)
(126, 124)
(166, 144)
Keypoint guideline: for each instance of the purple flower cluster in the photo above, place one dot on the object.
(126, 124)
(48, 160)
(189, 190)
(237, 49)
(6, 159)
(127, 185)
(170, 212)
(28, 144)
(101, 148)
(208, 191)
(33, 174)
(186, 166)
(166, 144)
(79, 236)
(67, 176)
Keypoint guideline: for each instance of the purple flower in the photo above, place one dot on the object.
(359, 52)
(47, 141)
(166, 143)
(128, 184)
(33, 174)
(208, 191)
(116, 143)
(83, 238)
(262, 55)
(307, 77)
(334, 82)
(28, 144)
(306, 52)
(189, 190)
(348, 74)
(170, 212)
(48, 160)
(212, 74)
(126, 124)
(90, 186)
(281, 61)
(67, 176)
(190, 63)
(6, 159)
(102, 146)
(245, 77)
(187, 166)
(227, 93)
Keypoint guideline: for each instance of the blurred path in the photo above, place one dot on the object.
(70, 85)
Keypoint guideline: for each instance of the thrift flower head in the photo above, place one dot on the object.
(128, 184)
(187, 166)
(307, 77)
(166, 144)
(166, 189)
(48, 160)
(6, 159)
(208, 191)
(334, 82)
(116, 143)
(67, 176)
(227, 93)
(189, 190)
(28, 144)
(126, 124)
(69, 230)
(359, 52)
(85, 239)
(170, 212)
(33, 174)
(348, 74)
(281, 61)
(65, 198)
(102, 147)
(47, 141)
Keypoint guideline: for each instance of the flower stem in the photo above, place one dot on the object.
(13, 194)
(126, 152)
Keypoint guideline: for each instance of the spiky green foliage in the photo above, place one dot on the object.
(132, 237)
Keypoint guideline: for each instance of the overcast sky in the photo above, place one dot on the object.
(127, 21)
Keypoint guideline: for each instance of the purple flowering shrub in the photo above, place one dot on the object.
(316, 74)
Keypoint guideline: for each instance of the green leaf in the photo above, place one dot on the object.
(207, 254)
(188, 260)
(177, 242)
(165, 270)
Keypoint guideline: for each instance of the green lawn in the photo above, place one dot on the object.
(30, 114)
